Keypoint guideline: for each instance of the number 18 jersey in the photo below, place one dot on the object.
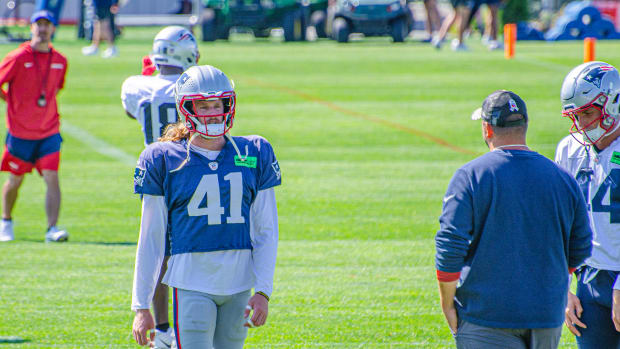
(150, 99)
(598, 176)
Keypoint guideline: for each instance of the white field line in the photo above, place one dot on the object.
(96, 144)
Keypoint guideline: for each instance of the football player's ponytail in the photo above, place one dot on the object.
(175, 132)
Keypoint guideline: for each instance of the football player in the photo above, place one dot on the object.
(215, 195)
(150, 100)
(590, 99)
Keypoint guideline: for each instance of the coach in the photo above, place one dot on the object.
(513, 225)
(35, 72)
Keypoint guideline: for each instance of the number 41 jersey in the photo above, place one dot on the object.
(208, 201)
(598, 176)
(150, 99)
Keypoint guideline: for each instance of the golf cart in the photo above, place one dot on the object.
(372, 18)
(258, 15)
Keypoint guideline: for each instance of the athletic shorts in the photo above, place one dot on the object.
(102, 11)
(22, 155)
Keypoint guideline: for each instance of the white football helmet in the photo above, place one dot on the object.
(175, 46)
(592, 85)
(205, 83)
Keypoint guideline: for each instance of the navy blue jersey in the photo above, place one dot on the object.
(208, 201)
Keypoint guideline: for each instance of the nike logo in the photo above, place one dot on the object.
(447, 198)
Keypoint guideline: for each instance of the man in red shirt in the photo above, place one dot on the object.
(34, 72)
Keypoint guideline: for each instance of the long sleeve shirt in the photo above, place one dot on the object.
(512, 225)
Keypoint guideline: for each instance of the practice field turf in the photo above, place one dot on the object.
(368, 135)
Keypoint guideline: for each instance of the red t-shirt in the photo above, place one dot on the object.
(26, 71)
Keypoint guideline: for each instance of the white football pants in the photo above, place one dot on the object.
(206, 321)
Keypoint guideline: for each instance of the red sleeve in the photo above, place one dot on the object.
(8, 68)
(571, 270)
(447, 277)
(61, 82)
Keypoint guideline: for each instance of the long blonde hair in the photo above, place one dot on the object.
(175, 132)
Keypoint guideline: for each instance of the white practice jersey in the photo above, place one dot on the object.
(150, 99)
(598, 175)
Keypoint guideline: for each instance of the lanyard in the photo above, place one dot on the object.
(43, 84)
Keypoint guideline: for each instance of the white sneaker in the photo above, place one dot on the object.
(495, 45)
(110, 52)
(6, 230)
(456, 45)
(485, 40)
(436, 42)
(90, 50)
(165, 340)
(55, 235)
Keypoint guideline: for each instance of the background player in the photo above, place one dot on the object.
(219, 203)
(150, 100)
(591, 153)
(103, 29)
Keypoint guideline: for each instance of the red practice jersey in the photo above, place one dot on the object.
(27, 71)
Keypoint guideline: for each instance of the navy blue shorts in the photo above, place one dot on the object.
(22, 155)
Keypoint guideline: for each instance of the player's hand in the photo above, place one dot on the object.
(615, 309)
(449, 311)
(114, 9)
(260, 305)
(142, 323)
(573, 313)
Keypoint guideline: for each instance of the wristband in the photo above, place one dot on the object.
(263, 294)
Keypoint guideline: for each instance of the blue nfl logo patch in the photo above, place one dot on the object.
(276, 168)
(138, 176)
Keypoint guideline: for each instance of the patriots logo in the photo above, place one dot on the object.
(595, 76)
(138, 176)
(186, 36)
(513, 105)
(276, 169)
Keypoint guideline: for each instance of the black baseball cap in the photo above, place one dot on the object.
(500, 105)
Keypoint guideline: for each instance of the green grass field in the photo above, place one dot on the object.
(368, 135)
